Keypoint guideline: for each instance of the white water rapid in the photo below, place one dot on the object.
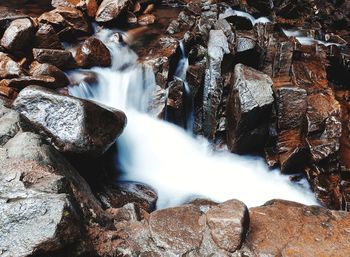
(231, 12)
(164, 156)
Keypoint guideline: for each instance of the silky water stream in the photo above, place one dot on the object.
(179, 166)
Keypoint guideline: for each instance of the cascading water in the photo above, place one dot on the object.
(167, 158)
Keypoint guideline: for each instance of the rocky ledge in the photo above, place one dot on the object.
(267, 77)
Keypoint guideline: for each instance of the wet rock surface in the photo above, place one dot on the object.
(277, 87)
(78, 132)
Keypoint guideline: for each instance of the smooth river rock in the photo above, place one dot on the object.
(73, 126)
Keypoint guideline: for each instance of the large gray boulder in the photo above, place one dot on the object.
(248, 109)
(72, 125)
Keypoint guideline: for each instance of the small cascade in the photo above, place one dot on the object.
(231, 12)
(164, 156)
(303, 39)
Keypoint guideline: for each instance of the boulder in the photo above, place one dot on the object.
(10, 124)
(146, 19)
(47, 38)
(60, 58)
(36, 213)
(45, 69)
(187, 228)
(68, 22)
(22, 82)
(291, 107)
(282, 228)
(90, 6)
(116, 196)
(18, 35)
(9, 68)
(248, 109)
(74, 126)
(92, 52)
(228, 224)
(110, 9)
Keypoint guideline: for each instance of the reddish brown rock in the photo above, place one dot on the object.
(228, 224)
(282, 228)
(18, 35)
(181, 238)
(110, 9)
(47, 38)
(67, 22)
(59, 58)
(45, 69)
(90, 6)
(22, 82)
(9, 68)
(291, 107)
(146, 19)
(93, 53)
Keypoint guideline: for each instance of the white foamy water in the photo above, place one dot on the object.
(305, 40)
(170, 160)
(229, 12)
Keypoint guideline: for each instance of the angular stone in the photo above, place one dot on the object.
(90, 6)
(9, 68)
(291, 107)
(228, 223)
(93, 53)
(59, 58)
(146, 19)
(22, 82)
(47, 38)
(18, 35)
(73, 126)
(10, 125)
(67, 22)
(45, 69)
(282, 228)
(248, 108)
(186, 231)
(110, 9)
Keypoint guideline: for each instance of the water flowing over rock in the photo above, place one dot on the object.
(248, 109)
(18, 34)
(93, 53)
(110, 9)
(79, 132)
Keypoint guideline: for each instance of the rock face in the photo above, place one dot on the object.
(282, 228)
(47, 38)
(90, 6)
(9, 68)
(93, 53)
(67, 21)
(248, 109)
(71, 124)
(60, 58)
(198, 229)
(110, 9)
(18, 34)
(10, 124)
(45, 69)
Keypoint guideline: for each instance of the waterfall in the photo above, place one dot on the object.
(164, 156)
(230, 12)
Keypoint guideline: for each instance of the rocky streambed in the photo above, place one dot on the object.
(86, 156)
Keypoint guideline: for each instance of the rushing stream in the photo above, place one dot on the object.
(164, 156)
